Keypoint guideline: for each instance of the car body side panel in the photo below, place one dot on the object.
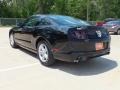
(56, 38)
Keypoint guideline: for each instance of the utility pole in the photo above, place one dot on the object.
(88, 3)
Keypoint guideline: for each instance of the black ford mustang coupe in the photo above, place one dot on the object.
(60, 37)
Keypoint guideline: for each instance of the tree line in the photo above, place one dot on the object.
(84, 9)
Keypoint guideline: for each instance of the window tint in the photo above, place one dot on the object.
(44, 21)
(32, 22)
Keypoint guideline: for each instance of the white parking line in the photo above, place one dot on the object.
(18, 67)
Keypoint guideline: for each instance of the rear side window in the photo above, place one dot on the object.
(32, 22)
(45, 21)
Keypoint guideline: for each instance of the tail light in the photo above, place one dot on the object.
(79, 34)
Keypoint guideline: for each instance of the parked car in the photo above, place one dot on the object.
(60, 37)
(109, 19)
(113, 26)
(101, 23)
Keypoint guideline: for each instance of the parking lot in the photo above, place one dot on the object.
(21, 70)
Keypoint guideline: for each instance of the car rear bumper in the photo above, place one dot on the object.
(81, 56)
(78, 51)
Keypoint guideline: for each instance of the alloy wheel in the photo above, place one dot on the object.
(12, 40)
(43, 53)
(118, 32)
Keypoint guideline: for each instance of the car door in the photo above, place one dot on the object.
(27, 31)
(108, 25)
(46, 27)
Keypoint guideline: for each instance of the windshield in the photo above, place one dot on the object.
(66, 20)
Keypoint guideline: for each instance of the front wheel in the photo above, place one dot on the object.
(12, 41)
(45, 54)
(118, 32)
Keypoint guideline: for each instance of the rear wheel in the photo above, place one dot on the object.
(44, 53)
(118, 32)
(12, 41)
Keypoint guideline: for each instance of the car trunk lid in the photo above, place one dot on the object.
(88, 38)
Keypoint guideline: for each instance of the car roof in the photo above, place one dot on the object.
(110, 19)
(115, 21)
(46, 15)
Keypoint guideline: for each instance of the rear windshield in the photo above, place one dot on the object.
(67, 20)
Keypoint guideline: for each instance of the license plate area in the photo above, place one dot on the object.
(99, 46)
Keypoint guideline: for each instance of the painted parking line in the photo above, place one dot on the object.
(18, 67)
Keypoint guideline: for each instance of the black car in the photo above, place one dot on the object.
(57, 37)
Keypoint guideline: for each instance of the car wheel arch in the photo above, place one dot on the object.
(11, 31)
(42, 39)
(118, 30)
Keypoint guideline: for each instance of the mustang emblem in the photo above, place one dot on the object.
(99, 33)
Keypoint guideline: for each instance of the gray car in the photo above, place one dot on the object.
(113, 26)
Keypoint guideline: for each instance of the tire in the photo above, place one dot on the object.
(118, 32)
(45, 54)
(12, 41)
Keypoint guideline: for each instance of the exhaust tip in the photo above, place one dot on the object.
(82, 59)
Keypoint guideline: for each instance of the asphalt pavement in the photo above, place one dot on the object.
(21, 70)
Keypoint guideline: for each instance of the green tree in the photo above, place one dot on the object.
(94, 10)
